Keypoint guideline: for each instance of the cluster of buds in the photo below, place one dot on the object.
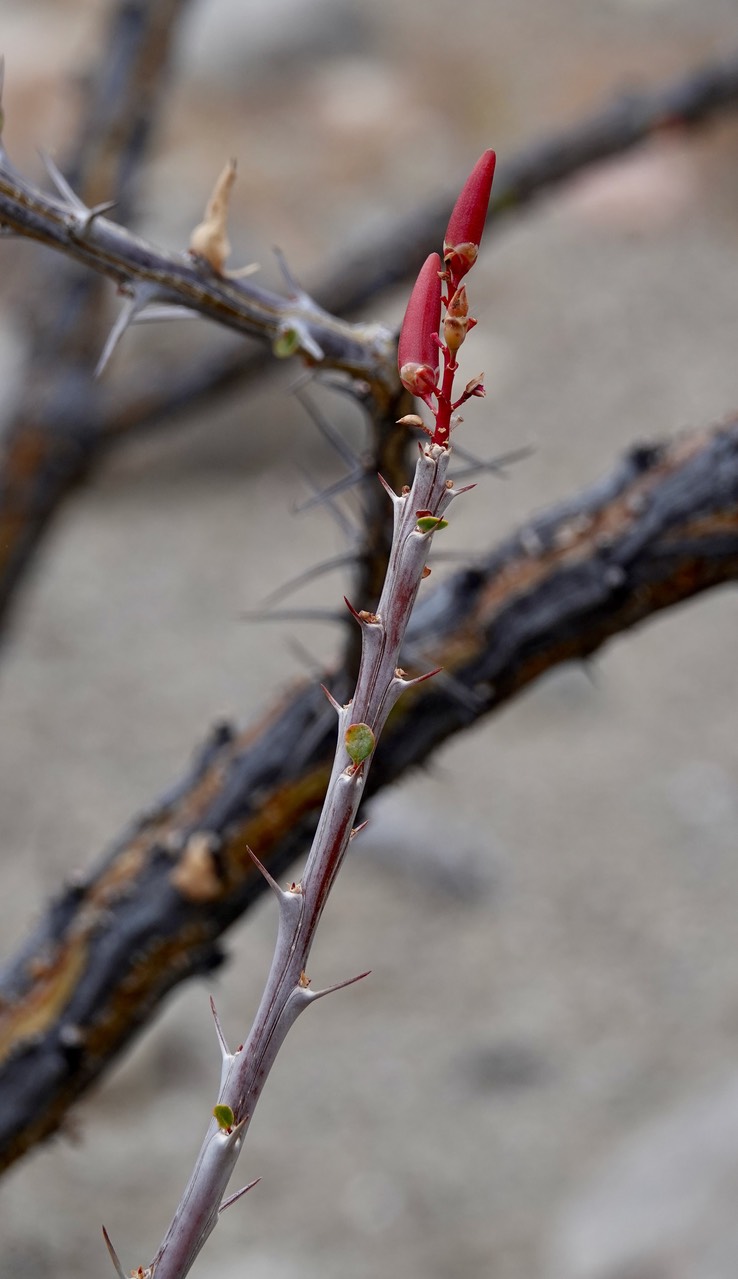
(438, 286)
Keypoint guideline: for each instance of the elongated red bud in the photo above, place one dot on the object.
(466, 224)
(417, 355)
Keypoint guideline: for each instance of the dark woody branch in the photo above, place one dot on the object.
(659, 529)
(51, 447)
(51, 435)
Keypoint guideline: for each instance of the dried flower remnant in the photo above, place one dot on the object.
(209, 240)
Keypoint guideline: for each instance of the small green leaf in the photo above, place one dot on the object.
(360, 742)
(225, 1116)
(286, 344)
(431, 524)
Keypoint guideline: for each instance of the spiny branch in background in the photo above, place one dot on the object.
(661, 527)
(123, 105)
(48, 446)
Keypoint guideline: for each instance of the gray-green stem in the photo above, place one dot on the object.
(379, 684)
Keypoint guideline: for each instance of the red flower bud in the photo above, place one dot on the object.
(466, 224)
(417, 355)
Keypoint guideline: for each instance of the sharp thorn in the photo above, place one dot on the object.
(340, 985)
(129, 310)
(113, 1255)
(238, 1195)
(332, 700)
(307, 341)
(265, 873)
(388, 488)
(357, 616)
(225, 1050)
(358, 829)
(419, 679)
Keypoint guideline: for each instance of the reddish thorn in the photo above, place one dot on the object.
(352, 611)
(387, 487)
(420, 679)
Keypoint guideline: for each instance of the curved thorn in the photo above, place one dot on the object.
(238, 1195)
(225, 1050)
(356, 616)
(113, 1255)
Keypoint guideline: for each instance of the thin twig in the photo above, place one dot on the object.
(287, 992)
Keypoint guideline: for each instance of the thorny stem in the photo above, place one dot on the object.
(379, 684)
(417, 514)
(150, 277)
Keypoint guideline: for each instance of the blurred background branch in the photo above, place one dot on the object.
(662, 527)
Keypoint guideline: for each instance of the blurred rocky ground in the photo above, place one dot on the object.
(540, 1077)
